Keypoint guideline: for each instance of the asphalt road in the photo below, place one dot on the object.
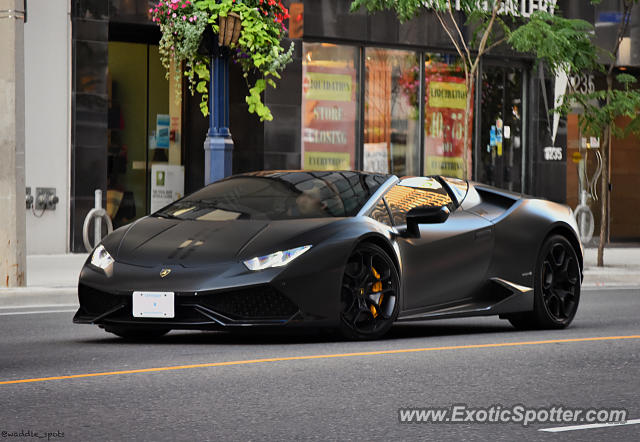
(338, 398)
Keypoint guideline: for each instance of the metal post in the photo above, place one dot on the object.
(97, 227)
(218, 146)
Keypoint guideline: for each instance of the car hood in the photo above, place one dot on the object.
(154, 241)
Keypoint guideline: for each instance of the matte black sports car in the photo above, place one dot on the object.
(350, 250)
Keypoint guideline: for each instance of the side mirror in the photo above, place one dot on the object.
(425, 215)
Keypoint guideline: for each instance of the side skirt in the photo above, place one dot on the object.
(497, 297)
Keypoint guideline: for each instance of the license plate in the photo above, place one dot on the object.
(153, 305)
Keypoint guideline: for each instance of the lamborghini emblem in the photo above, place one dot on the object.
(164, 272)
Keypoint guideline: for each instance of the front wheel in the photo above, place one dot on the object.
(370, 292)
(556, 287)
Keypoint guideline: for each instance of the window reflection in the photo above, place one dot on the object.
(278, 195)
(329, 106)
(415, 192)
(391, 131)
(380, 213)
(445, 102)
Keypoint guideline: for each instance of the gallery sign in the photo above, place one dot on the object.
(513, 7)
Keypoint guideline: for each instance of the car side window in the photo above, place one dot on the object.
(401, 199)
(380, 213)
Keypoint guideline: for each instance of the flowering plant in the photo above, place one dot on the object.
(258, 49)
(409, 82)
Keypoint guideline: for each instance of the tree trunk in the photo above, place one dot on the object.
(604, 184)
(469, 82)
(604, 202)
(606, 145)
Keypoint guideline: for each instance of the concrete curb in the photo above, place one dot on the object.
(38, 296)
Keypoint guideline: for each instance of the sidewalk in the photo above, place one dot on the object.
(622, 267)
(53, 279)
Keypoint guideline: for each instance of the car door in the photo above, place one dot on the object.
(449, 260)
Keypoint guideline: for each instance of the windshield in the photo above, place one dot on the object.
(278, 196)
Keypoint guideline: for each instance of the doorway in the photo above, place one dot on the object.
(138, 130)
(501, 148)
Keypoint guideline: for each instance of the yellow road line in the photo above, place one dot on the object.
(300, 358)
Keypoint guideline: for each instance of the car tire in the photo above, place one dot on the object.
(137, 333)
(556, 287)
(369, 294)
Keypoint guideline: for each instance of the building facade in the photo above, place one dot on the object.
(363, 92)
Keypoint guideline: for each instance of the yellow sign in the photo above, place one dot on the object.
(448, 166)
(576, 157)
(328, 87)
(327, 161)
(449, 95)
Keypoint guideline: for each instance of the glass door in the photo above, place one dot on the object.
(144, 169)
(501, 144)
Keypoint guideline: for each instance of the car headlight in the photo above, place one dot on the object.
(101, 258)
(277, 259)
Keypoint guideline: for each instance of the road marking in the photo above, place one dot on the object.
(16, 307)
(309, 357)
(37, 312)
(588, 426)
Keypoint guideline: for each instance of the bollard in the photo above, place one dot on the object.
(97, 226)
(99, 214)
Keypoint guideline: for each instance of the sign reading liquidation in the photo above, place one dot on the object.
(328, 125)
(444, 125)
(514, 7)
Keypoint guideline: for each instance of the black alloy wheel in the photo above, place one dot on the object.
(556, 287)
(370, 293)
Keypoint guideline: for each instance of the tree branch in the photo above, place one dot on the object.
(451, 37)
(497, 43)
(487, 32)
(621, 31)
(455, 24)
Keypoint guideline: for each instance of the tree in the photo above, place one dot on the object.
(600, 114)
(601, 108)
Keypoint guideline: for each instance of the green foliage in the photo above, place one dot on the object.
(564, 44)
(601, 109)
(406, 9)
(180, 38)
(259, 49)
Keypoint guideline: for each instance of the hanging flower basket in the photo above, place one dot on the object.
(230, 27)
(252, 30)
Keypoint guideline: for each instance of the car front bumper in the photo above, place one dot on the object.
(223, 296)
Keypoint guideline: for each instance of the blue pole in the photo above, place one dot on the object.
(218, 146)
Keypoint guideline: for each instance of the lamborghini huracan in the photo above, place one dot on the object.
(352, 251)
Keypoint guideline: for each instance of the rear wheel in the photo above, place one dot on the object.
(369, 298)
(137, 333)
(556, 287)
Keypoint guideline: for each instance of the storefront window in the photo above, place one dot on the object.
(329, 106)
(500, 155)
(144, 154)
(445, 102)
(391, 112)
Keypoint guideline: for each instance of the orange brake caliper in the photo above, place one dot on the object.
(377, 287)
